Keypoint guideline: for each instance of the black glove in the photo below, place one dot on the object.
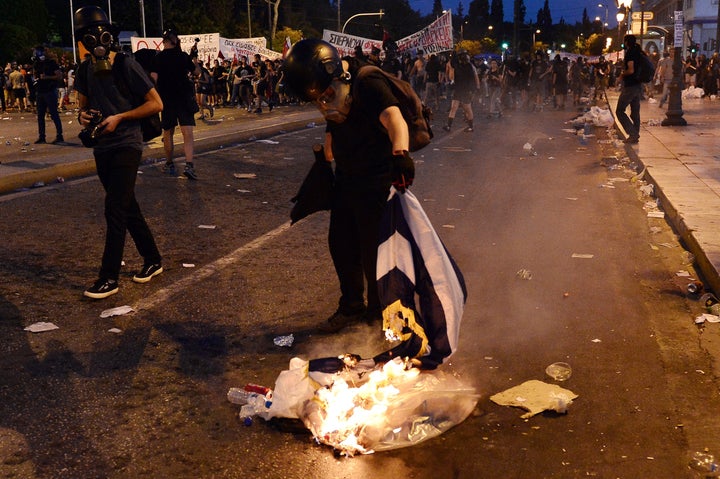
(403, 171)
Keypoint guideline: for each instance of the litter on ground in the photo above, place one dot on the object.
(40, 327)
(119, 311)
(535, 397)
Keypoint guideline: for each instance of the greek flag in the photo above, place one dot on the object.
(413, 261)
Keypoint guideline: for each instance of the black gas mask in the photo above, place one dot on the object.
(99, 42)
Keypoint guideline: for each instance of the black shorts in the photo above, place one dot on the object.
(173, 115)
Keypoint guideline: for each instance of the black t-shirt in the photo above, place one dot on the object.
(244, 73)
(361, 146)
(48, 68)
(432, 69)
(465, 77)
(538, 68)
(633, 54)
(104, 95)
(172, 67)
(561, 72)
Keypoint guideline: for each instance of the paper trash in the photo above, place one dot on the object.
(119, 311)
(535, 397)
(284, 341)
(41, 327)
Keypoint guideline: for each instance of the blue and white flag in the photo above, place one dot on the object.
(412, 260)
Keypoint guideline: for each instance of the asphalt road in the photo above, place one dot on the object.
(82, 402)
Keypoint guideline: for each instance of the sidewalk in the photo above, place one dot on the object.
(24, 164)
(683, 162)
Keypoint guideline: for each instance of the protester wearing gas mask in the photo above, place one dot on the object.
(114, 93)
(367, 137)
(47, 74)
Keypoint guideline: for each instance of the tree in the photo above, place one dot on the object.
(496, 13)
(478, 18)
(285, 32)
(276, 6)
(544, 18)
(585, 21)
(437, 8)
(519, 11)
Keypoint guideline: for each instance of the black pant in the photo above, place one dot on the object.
(117, 171)
(48, 102)
(353, 240)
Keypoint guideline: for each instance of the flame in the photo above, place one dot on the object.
(344, 412)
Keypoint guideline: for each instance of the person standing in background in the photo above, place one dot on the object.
(631, 91)
(170, 72)
(47, 76)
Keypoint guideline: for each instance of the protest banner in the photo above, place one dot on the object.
(436, 37)
(212, 46)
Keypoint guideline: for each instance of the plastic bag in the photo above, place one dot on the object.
(292, 388)
(391, 407)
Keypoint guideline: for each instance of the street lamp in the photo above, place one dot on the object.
(674, 114)
(625, 6)
(604, 5)
(620, 17)
(536, 32)
(380, 13)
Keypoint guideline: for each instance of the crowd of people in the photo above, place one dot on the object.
(530, 82)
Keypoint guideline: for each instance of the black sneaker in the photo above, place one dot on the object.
(147, 272)
(190, 172)
(40, 141)
(339, 320)
(102, 289)
(59, 139)
(169, 168)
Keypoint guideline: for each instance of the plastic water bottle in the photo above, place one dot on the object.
(257, 405)
(704, 463)
(240, 396)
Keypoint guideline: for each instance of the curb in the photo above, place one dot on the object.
(704, 266)
(86, 167)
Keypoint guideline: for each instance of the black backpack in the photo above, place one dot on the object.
(644, 70)
(417, 116)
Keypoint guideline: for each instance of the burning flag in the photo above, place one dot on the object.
(359, 406)
(413, 260)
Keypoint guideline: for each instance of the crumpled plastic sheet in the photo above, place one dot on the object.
(692, 92)
(417, 406)
(597, 116)
(535, 397)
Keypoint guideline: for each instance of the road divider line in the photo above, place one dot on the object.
(163, 295)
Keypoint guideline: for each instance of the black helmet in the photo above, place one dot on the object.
(87, 17)
(310, 67)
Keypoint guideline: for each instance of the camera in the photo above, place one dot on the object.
(89, 134)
